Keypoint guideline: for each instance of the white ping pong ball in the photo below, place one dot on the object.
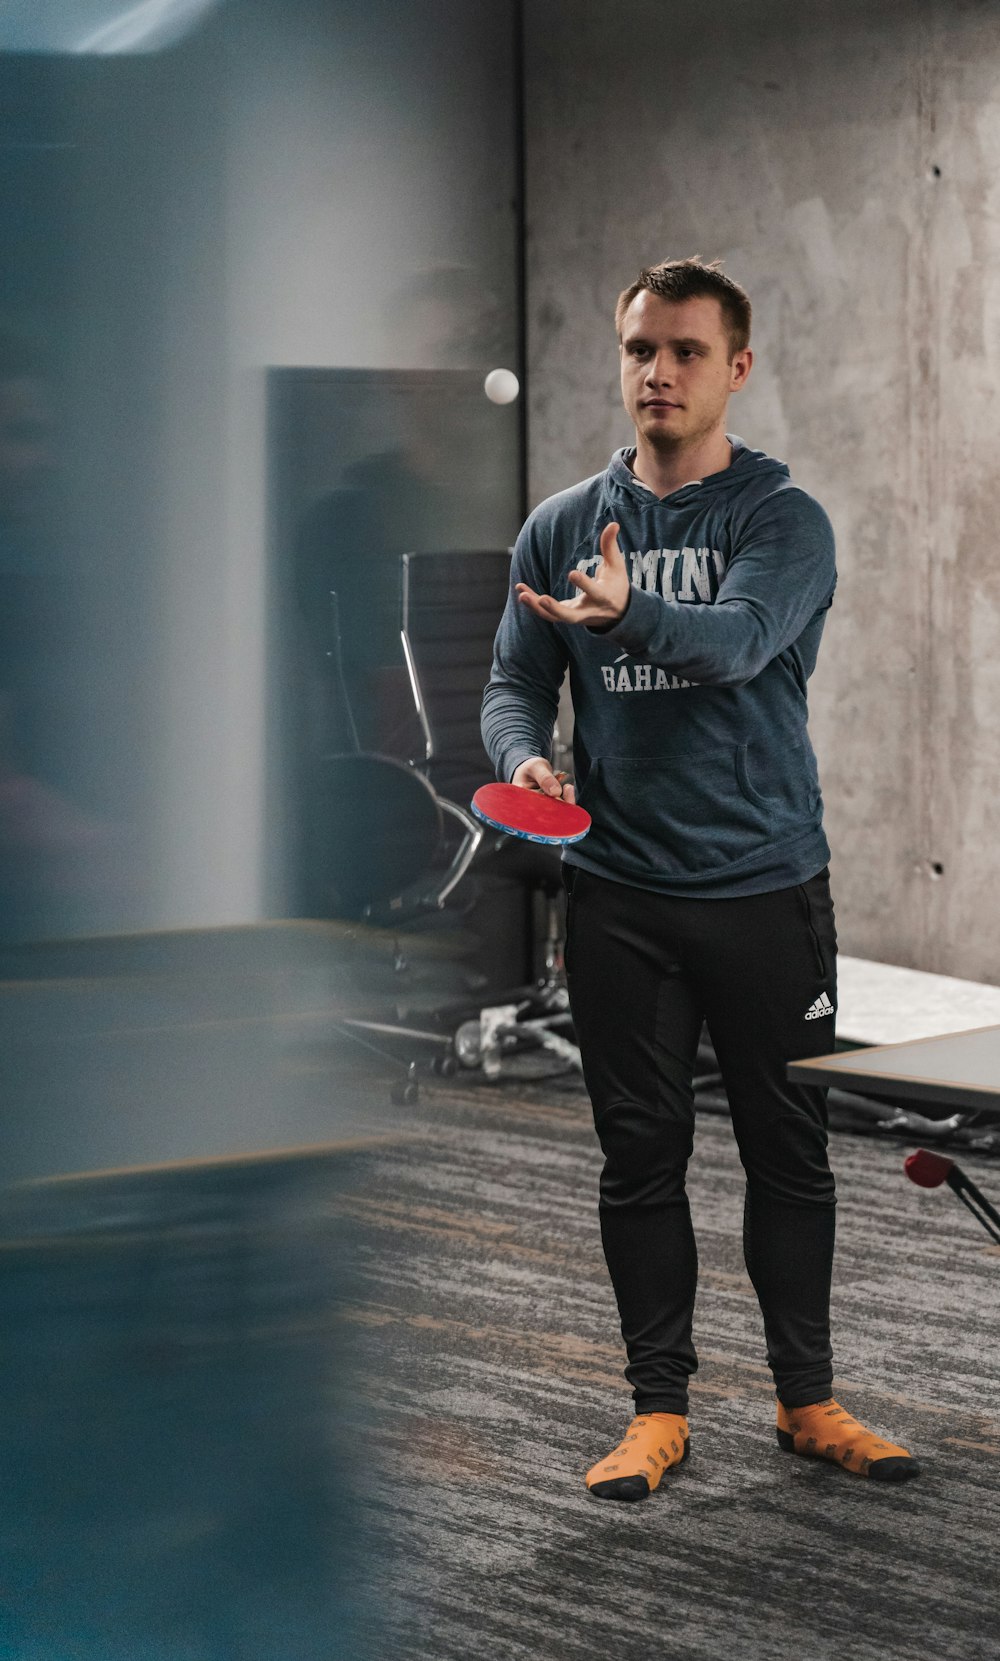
(501, 386)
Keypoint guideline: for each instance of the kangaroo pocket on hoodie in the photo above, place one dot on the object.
(679, 815)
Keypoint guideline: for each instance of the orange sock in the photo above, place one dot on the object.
(649, 1447)
(825, 1430)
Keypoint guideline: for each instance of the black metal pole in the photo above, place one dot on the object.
(967, 1191)
(521, 234)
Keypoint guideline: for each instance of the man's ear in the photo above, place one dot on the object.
(739, 369)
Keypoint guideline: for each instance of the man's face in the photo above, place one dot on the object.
(676, 373)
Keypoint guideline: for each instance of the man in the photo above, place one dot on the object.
(685, 590)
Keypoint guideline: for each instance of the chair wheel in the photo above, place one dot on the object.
(405, 1093)
(445, 1066)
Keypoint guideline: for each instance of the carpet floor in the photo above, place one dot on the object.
(338, 1407)
(485, 1326)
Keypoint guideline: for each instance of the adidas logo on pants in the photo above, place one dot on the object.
(821, 1007)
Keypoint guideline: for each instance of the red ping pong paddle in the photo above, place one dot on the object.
(926, 1169)
(530, 814)
(929, 1170)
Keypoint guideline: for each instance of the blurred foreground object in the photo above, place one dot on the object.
(140, 1049)
(98, 27)
(178, 1405)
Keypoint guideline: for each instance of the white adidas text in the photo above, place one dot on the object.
(821, 1007)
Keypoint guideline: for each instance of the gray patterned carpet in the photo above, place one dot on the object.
(482, 1308)
(337, 1407)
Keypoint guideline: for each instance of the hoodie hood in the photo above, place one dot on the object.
(747, 467)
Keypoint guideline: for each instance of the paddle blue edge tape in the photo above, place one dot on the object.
(528, 836)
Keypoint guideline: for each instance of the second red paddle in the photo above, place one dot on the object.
(929, 1170)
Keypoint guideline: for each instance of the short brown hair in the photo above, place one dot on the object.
(691, 280)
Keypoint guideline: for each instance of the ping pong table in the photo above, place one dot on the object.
(958, 1069)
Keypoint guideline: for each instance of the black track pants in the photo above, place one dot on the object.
(644, 971)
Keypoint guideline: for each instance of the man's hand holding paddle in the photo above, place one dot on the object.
(603, 598)
(537, 774)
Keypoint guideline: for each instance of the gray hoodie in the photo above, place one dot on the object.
(690, 747)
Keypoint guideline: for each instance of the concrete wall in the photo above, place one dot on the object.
(842, 158)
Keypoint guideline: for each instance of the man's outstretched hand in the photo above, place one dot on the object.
(603, 598)
(537, 774)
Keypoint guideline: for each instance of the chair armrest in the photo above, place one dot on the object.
(465, 854)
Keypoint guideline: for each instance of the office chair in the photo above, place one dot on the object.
(401, 839)
(451, 604)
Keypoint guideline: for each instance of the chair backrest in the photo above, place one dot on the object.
(451, 609)
(376, 826)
